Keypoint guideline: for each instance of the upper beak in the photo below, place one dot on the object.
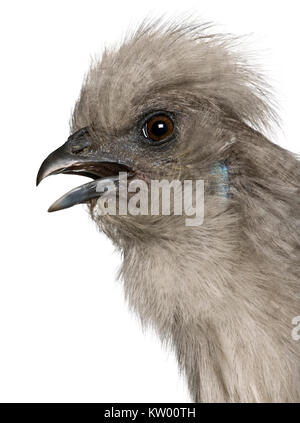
(76, 157)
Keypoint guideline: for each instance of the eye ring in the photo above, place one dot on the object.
(158, 128)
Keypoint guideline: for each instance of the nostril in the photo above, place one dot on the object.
(79, 145)
(79, 149)
(79, 142)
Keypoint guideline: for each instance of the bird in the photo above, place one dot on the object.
(181, 101)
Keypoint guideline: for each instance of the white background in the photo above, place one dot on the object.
(65, 331)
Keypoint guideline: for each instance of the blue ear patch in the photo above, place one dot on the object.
(220, 182)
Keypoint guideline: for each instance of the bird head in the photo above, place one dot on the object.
(170, 103)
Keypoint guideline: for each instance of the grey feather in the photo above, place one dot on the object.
(222, 294)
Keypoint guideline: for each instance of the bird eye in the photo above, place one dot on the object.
(158, 128)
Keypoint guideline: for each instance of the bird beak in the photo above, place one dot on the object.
(76, 157)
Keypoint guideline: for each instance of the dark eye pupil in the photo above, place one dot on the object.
(159, 128)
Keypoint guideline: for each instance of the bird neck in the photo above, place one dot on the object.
(208, 300)
(167, 279)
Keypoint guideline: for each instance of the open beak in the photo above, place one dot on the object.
(77, 157)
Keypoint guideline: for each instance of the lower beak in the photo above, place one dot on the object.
(84, 193)
(103, 170)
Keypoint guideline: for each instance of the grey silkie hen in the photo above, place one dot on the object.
(175, 103)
